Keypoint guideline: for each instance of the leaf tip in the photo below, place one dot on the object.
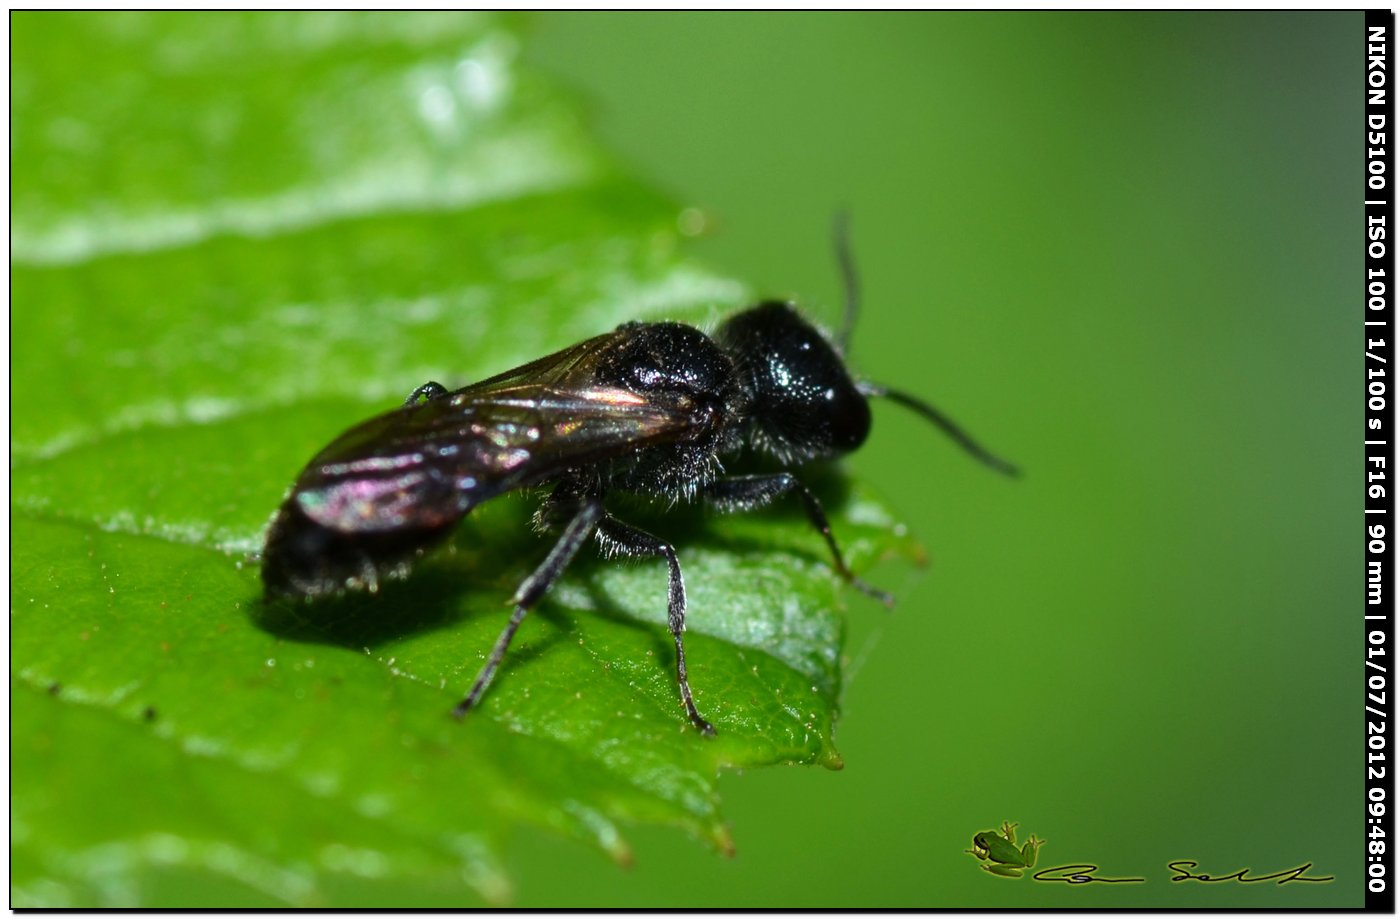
(621, 853)
(723, 841)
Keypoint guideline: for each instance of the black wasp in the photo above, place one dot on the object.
(649, 409)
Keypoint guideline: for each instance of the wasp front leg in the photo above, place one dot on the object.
(749, 492)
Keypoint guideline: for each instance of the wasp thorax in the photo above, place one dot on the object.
(658, 358)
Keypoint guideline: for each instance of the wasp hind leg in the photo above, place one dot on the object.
(622, 539)
(576, 533)
(431, 390)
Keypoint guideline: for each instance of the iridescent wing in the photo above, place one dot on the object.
(391, 488)
(425, 465)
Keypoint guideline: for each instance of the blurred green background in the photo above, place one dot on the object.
(1122, 249)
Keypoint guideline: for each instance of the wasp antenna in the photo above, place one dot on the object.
(943, 422)
(841, 237)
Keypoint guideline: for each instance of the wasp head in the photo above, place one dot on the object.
(802, 403)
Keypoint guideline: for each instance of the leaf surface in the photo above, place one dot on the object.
(235, 235)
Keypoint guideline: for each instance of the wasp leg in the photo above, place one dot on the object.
(749, 492)
(584, 521)
(622, 539)
(431, 389)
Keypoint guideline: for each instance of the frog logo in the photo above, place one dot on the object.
(998, 852)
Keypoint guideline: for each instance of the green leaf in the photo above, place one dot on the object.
(234, 236)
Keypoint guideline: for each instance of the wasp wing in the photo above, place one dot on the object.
(423, 466)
